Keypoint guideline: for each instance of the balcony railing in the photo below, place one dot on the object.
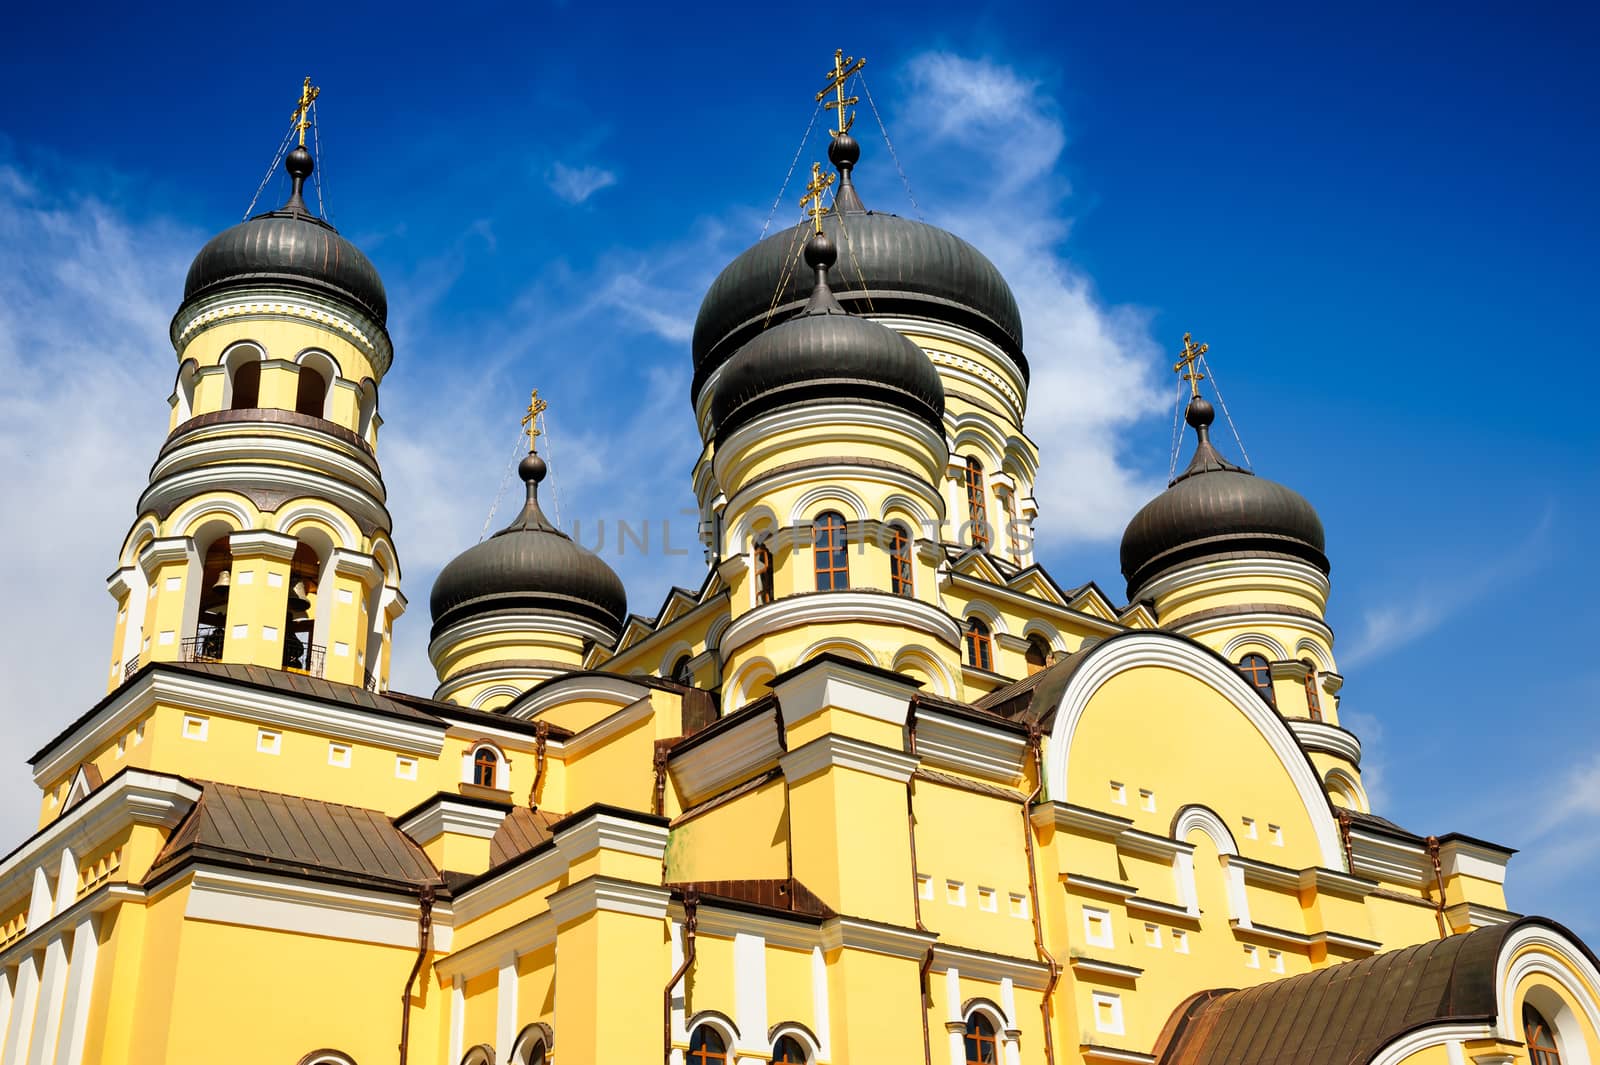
(130, 667)
(368, 681)
(206, 646)
(304, 657)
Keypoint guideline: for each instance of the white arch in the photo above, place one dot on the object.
(304, 509)
(913, 507)
(321, 355)
(231, 359)
(743, 678)
(494, 691)
(367, 408)
(671, 656)
(1235, 648)
(1200, 819)
(502, 766)
(828, 497)
(1135, 649)
(921, 658)
(535, 1037)
(990, 616)
(978, 434)
(719, 1022)
(186, 517)
(1046, 632)
(800, 1034)
(1546, 952)
(744, 530)
(836, 644)
(482, 1054)
(1308, 646)
(183, 389)
(327, 1057)
(1348, 786)
(715, 630)
(146, 528)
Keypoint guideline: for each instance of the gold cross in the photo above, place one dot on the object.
(1186, 366)
(842, 70)
(530, 420)
(308, 94)
(813, 197)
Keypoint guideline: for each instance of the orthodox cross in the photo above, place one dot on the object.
(530, 420)
(811, 202)
(1186, 365)
(842, 70)
(302, 110)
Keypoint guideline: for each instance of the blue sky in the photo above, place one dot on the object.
(1382, 221)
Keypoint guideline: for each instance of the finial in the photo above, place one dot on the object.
(302, 110)
(842, 71)
(820, 255)
(811, 202)
(1187, 365)
(530, 422)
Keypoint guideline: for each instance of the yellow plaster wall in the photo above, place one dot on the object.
(745, 838)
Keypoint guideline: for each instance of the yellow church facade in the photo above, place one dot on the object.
(880, 789)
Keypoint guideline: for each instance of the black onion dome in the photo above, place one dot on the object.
(529, 565)
(289, 246)
(1214, 509)
(888, 265)
(823, 355)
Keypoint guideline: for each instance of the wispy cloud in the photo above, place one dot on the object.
(575, 184)
(1091, 363)
(1419, 609)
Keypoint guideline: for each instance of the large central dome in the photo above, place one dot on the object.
(887, 265)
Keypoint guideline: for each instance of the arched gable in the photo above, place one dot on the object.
(1178, 709)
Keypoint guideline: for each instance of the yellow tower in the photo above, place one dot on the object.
(1237, 562)
(522, 606)
(263, 536)
(828, 443)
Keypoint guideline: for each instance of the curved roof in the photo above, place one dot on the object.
(1344, 1014)
(890, 265)
(826, 354)
(1215, 508)
(289, 246)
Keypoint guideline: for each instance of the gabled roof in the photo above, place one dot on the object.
(521, 831)
(1343, 1014)
(288, 834)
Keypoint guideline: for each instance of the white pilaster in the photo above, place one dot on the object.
(52, 998)
(19, 1029)
(750, 991)
(80, 987)
(458, 1018)
(954, 1023)
(1012, 1034)
(819, 1003)
(505, 1018)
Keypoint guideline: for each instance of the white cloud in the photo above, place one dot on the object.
(1091, 363)
(576, 184)
(1422, 607)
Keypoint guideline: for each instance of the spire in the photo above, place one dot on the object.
(820, 256)
(299, 164)
(843, 151)
(1199, 414)
(532, 470)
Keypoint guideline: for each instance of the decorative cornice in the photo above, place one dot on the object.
(1100, 967)
(1385, 858)
(833, 750)
(605, 729)
(723, 760)
(1029, 973)
(165, 549)
(835, 608)
(610, 895)
(449, 813)
(362, 331)
(947, 742)
(1327, 739)
(1091, 885)
(577, 687)
(606, 831)
(262, 900)
(260, 543)
(857, 933)
(828, 681)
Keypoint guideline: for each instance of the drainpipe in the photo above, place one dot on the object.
(1344, 836)
(659, 804)
(916, 895)
(1438, 879)
(1034, 743)
(541, 737)
(424, 928)
(691, 901)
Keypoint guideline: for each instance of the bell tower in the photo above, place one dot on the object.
(263, 536)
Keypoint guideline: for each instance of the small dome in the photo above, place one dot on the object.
(289, 246)
(1215, 509)
(528, 565)
(890, 265)
(825, 354)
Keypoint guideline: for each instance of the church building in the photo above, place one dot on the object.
(879, 790)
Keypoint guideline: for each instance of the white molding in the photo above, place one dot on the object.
(834, 608)
(991, 968)
(608, 894)
(832, 750)
(247, 443)
(754, 443)
(261, 543)
(522, 879)
(738, 752)
(1095, 1054)
(258, 706)
(582, 687)
(1082, 963)
(1109, 659)
(857, 933)
(724, 921)
(947, 742)
(1242, 574)
(513, 623)
(270, 302)
(524, 937)
(1327, 739)
(1460, 857)
(842, 685)
(1477, 915)
(1028, 604)
(608, 728)
(1537, 948)
(1418, 1040)
(449, 813)
(264, 900)
(177, 488)
(1384, 858)
(602, 831)
(1197, 629)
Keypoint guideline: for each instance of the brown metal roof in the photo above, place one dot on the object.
(786, 895)
(1343, 1014)
(287, 833)
(521, 831)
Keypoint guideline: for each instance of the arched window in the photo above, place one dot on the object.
(761, 562)
(312, 392)
(789, 1051)
(485, 767)
(830, 551)
(1540, 1037)
(1258, 672)
(246, 385)
(977, 509)
(899, 560)
(1313, 697)
(980, 648)
(681, 671)
(216, 574)
(983, 1048)
(706, 1047)
(300, 651)
(1038, 654)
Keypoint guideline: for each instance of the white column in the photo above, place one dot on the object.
(1238, 901)
(80, 988)
(750, 991)
(7, 978)
(819, 1003)
(42, 904)
(1013, 1032)
(52, 997)
(505, 1017)
(954, 1024)
(458, 1019)
(20, 1027)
